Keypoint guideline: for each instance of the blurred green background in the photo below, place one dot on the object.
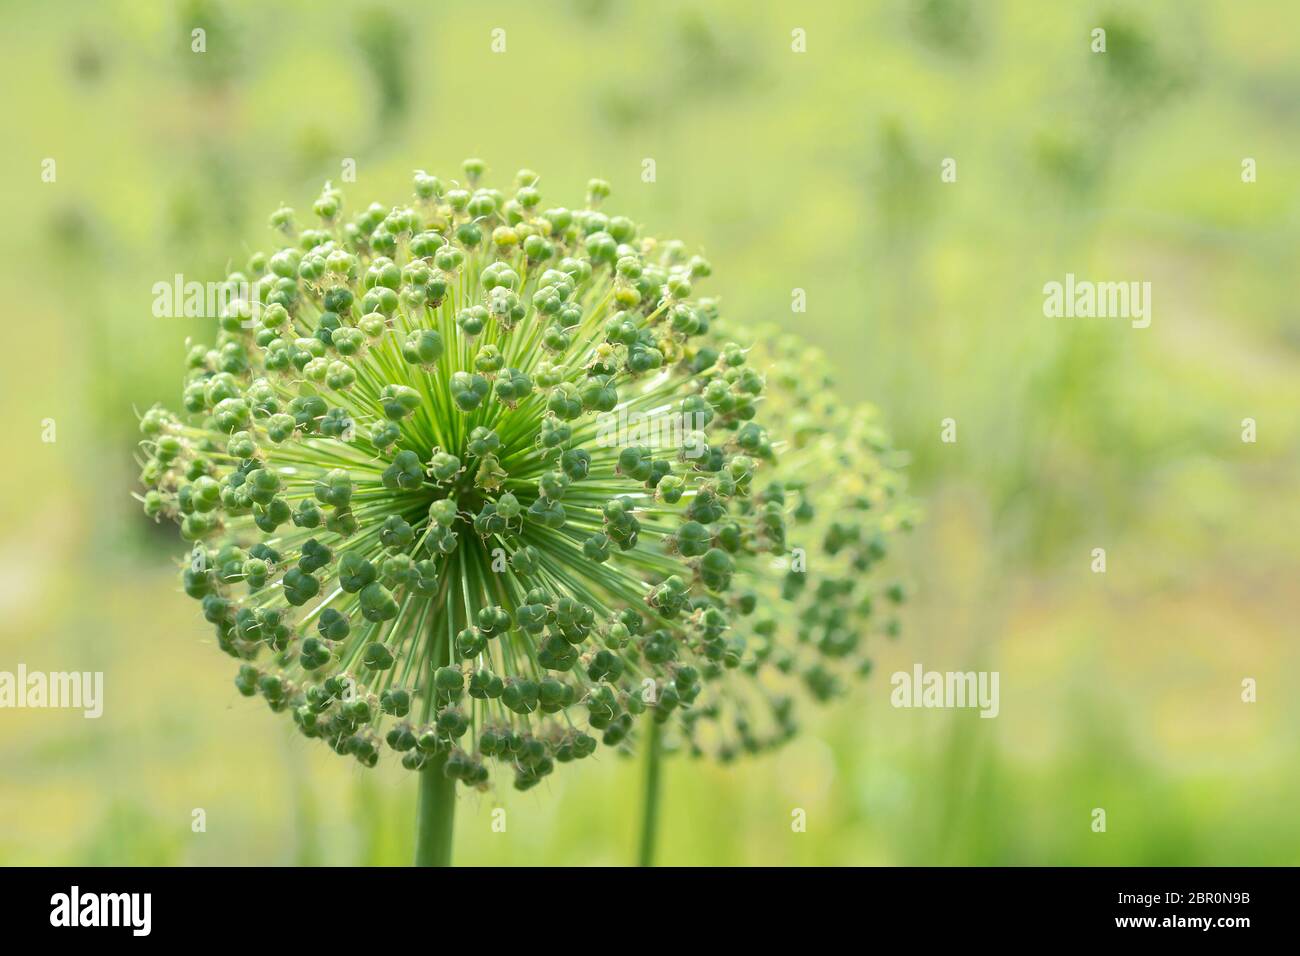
(816, 170)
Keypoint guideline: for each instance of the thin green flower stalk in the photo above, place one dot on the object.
(809, 614)
(409, 523)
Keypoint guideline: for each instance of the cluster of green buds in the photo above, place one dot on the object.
(810, 612)
(409, 525)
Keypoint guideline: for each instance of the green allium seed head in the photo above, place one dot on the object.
(477, 478)
(838, 483)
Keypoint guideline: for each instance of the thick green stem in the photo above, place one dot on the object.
(650, 808)
(437, 813)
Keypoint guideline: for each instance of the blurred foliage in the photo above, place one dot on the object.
(817, 171)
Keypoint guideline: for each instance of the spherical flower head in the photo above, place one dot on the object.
(810, 617)
(477, 479)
